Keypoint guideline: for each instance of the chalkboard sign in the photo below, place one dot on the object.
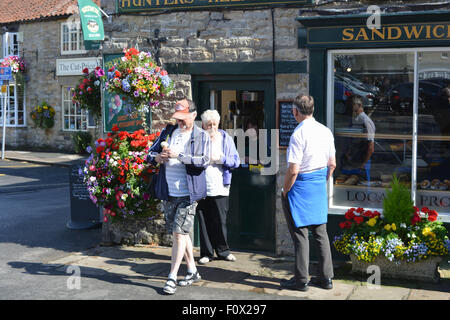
(84, 213)
(286, 122)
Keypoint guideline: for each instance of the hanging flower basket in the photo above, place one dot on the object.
(88, 91)
(139, 80)
(17, 65)
(43, 116)
(117, 177)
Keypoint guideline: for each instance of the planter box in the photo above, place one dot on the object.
(132, 231)
(425, 270)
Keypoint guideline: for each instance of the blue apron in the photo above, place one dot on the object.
(308, 198)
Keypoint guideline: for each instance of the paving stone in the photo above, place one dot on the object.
(428, 295)
(384, 293)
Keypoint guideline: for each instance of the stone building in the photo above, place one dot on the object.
(48, 37)
(249, 60)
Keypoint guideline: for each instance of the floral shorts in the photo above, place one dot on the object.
(179, 214)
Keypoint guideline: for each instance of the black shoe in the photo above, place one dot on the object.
(293, 284)
(324, 283)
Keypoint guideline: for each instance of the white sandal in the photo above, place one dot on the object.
(230, 257)
(204, 260)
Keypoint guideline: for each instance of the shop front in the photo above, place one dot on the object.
(239, 58)
(385, 93)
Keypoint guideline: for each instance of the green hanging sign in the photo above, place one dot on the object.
(91, 21)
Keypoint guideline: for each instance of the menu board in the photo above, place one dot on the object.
(286, 122)
(84, 213)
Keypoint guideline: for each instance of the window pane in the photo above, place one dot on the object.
(372, 125)
(433, 142)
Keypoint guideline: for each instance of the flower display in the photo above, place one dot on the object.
(16, 64)
(117, 177)
(139, 79)
(402, 233)
(43, 116)
(88, 91)
(366, 234)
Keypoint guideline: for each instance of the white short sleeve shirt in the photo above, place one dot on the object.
(311, 146)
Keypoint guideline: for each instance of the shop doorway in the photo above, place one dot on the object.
(245, 105)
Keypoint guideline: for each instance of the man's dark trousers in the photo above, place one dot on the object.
(301, 246)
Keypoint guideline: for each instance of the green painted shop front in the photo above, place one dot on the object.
(413, 35)
(246, 90)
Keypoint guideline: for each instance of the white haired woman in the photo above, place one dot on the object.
(212, 211)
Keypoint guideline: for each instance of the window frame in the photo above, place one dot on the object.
(16, 108)
(80, 46)
(444, 216)
(83, 112)
(7, 38)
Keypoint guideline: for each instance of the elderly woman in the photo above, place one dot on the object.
(212, 211)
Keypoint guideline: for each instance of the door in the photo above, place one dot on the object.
(245, 105)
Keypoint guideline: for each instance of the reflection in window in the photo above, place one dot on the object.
(373, 122)
(433, 142)
(373, 125)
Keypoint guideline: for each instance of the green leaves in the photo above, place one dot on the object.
(397, 206)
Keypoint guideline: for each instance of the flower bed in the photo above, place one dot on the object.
(402, 234)
(117, 177)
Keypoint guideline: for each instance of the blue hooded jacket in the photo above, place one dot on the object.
(230, 159)
(196, 157)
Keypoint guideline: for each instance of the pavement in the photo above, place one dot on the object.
(255, 272)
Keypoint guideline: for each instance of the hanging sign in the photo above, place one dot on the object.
(91, 21)
(5, 74)
(155, 5)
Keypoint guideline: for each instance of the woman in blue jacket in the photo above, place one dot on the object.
(213, 210)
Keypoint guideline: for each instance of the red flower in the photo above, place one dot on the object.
(349, 215)
(117, 73)
(115, 128)
(425, 210)
(415, 219)
(86, 70)
(359, 220)
(432, 215)
(360, 210)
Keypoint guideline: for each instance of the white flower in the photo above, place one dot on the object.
(124, 196)
(97, 83)
(92, 179)
(402, 225)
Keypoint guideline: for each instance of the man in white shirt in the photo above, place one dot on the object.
(311, 162)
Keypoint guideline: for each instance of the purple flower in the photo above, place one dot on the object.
(99, 73)
(136, 93)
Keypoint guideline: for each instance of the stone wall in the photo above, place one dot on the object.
(224, 36)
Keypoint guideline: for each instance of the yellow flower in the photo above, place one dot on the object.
(372, 222)
(394, 227)
(387, 227)
(426, 231)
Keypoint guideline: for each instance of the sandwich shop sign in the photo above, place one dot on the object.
(124, 6)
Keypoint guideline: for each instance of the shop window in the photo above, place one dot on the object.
(10, 44)
(380, 131)
(74, 118)
(15, 108)
(72, 39)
